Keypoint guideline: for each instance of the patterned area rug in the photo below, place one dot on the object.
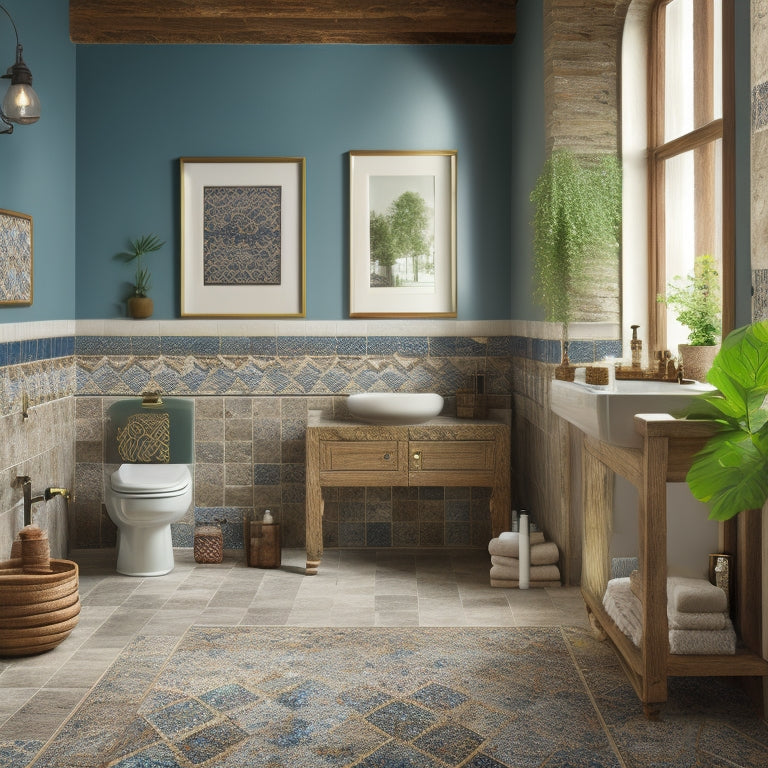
(287, 697)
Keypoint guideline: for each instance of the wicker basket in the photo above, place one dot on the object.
(37, 611)
(209, 544)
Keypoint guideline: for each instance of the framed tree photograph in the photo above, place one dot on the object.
(402, 255)
(15, 259)
(243, 237)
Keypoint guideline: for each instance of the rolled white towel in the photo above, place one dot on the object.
(538, 572)
(509, 546)
(695, 596)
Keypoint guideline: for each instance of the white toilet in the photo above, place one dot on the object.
(144, 498)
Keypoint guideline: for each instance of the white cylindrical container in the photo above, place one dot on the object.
(524, 580)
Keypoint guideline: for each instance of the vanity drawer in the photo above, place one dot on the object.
(377, 455)
(454, 462)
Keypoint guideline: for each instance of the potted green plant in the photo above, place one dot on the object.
(139, 304)
(697, 301)
(731, 472)
(577, 220)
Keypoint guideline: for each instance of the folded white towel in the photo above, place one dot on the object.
(510, 547)
(700, 621)
(698, 642)
(695, 596)
(625, 609)
(538, 572)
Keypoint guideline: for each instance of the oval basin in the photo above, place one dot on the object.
(395, 407)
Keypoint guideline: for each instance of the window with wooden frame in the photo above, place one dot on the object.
(690, 154)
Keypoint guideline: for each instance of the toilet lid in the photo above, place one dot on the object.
(150, 478)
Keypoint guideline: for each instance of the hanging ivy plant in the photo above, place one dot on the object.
(577, 220)
(731, 472)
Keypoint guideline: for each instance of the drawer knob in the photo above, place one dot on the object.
(387, 457)
(416, 456)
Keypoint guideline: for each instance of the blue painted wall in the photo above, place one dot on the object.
(140, 108)
(37, 162)
(528, 152)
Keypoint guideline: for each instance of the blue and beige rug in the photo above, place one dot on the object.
(287, 697)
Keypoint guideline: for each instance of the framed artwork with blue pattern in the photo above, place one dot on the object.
(402, 254)
(243, 237)
(15, 259)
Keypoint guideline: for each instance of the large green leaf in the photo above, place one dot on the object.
(732, 471)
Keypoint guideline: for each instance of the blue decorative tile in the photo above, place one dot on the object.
(91, 345)
(136, 378)
(3, 354)
(581, 351)
(236, 345)
(608, 348)
(520, 346)
(363, 700)
(28, 350)
(156, 756)
(467, 346)
(13, 352)
(350, 346)
(145, 345)
(499, 346)
(44, 349)
(263, 346)
(442, 346)
(335, 380)
(182, 535)
(406, 346)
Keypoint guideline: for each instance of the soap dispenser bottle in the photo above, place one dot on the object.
(636, 346)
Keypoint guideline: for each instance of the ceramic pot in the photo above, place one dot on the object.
(697, 360)
(140, 306)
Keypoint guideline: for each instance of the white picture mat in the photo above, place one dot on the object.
(286, 299)
(368, 301)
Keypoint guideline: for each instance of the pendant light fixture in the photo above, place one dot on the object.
(21, 104)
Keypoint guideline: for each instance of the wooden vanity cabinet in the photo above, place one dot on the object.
(443, 452)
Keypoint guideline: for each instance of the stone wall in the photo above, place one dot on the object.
(759, 154)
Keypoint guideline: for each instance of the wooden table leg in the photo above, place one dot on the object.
(500, 502)
(314, 505)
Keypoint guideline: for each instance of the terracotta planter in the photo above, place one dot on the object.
(697, 360)
(140, 306)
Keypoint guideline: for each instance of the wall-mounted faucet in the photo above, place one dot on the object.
(26, 488)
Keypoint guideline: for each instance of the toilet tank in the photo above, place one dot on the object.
(140, 431)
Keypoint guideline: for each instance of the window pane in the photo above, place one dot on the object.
(692, 65)
(693, 219)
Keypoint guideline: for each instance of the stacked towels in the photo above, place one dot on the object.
(505, 563)
(697, 614)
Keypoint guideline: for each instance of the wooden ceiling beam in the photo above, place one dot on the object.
(293, 21)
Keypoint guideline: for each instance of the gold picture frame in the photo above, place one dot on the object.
(243, 237)
(402, 253)
(16, 262)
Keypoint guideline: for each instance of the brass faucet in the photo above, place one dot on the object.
(26, 488)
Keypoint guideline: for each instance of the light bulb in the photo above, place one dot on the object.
(21, 104)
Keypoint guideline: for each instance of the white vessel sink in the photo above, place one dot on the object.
(608, 414)
(395, 407)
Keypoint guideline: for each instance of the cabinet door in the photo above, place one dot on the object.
(363, 462)
(456, 462)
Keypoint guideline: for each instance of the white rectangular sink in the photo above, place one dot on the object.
(608, 413)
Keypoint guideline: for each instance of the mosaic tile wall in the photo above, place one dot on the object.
(252, 394)
(39, 373)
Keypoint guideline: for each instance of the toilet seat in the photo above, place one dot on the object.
(151, 480)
